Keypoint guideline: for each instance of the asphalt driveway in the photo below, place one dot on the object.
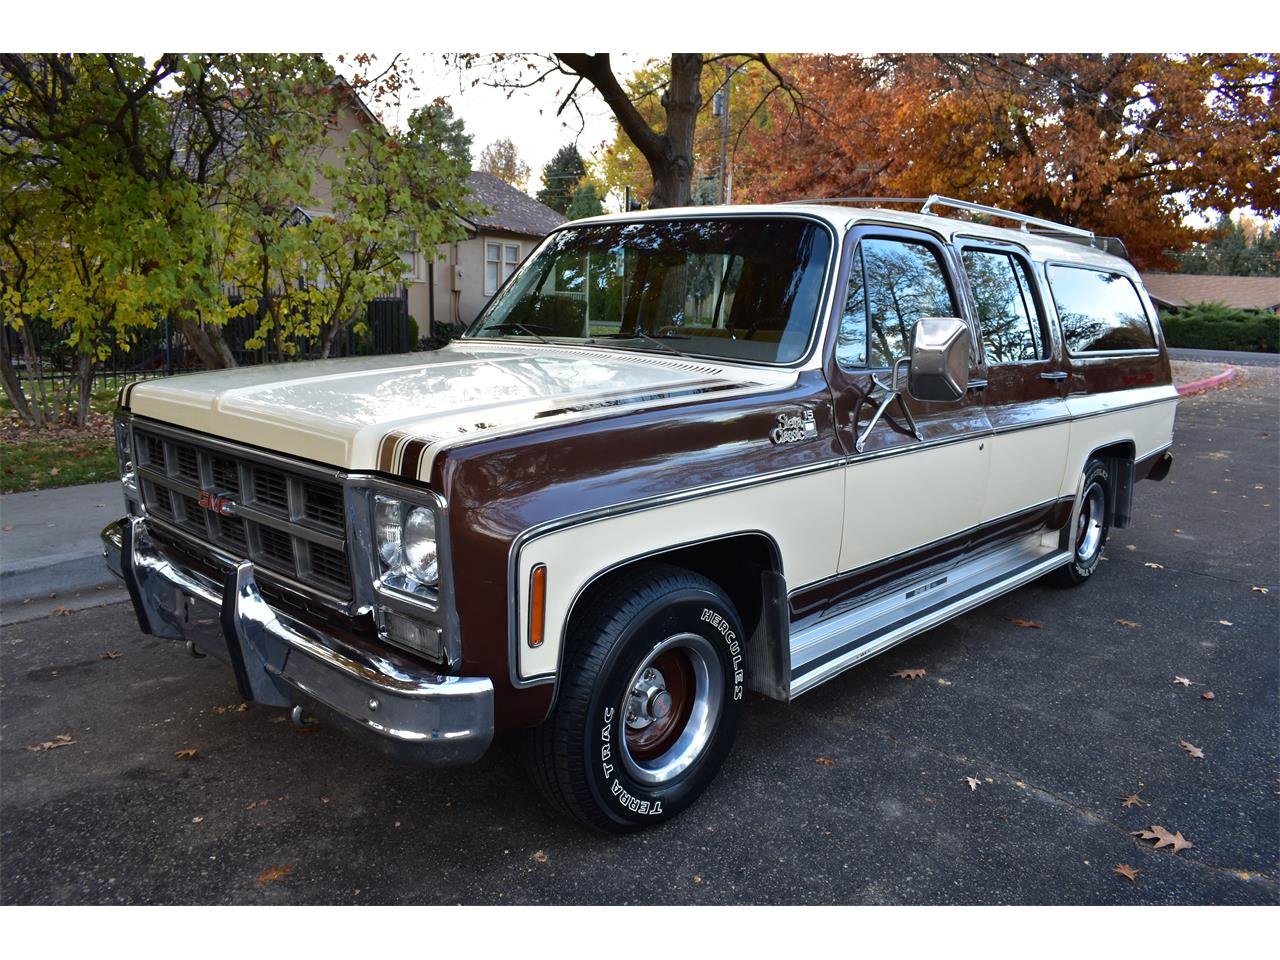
(856, 793)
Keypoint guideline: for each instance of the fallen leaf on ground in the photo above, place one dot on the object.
(109, 655)
(539, 856)
(187, 754)
(1130, 546)
(1192, 749)
(1128, 623)
(943, 683)
(1125, 871)
(1226, 623)
(61, 740)
(60, 612)
(1133, 800)
(9, 526)
(54, 471)
(972, 782)
(1019, 622)
(1260, 590)
(914, 674)
(1164, 838)
(1182, 680)
(1207, 695)
(197, 819)
(1154, 566)
(697, 878)
(825, 761)
(272, 874)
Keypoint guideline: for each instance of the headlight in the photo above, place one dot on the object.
(405, 537)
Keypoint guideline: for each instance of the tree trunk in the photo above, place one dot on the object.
(209, 346)
(673, 171)
(85, 363)
(27, 412)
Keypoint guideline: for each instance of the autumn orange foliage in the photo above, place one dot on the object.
(1123, 144)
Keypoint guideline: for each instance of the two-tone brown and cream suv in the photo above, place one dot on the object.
(681, 455)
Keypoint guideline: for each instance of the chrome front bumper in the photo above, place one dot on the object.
(419, 716)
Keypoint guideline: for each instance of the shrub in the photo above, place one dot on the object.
(1215, 326)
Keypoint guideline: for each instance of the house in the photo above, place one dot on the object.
(453, 287)
(1171, 291)
(470, 271)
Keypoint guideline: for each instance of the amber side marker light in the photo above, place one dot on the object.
(537, 604)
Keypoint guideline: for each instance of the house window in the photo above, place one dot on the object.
(500, 261)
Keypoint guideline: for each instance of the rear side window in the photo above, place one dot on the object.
(892, 284)
(1099, 310)
(1011, 327)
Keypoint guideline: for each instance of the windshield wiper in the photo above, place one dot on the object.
(511, 325)
(639, 334)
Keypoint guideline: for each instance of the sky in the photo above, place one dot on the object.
(527, 116)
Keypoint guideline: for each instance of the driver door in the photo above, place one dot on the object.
(912, 495)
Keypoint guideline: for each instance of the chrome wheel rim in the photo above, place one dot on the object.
(1089, 525)
(670, 708)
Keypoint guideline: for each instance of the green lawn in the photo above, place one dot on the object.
(41, 464)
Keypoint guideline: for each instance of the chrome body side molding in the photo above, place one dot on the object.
(832, 646)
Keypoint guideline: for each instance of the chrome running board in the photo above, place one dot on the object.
(832, 646)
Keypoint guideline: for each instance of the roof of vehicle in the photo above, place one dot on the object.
(1040, 246)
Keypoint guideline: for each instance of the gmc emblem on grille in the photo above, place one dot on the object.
(223, 506)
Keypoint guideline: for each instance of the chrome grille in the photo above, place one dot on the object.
(286, 521)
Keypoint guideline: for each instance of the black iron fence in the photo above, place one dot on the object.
(162, 350)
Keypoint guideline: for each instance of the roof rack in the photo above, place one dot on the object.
(1048, 226)
(1029, 224)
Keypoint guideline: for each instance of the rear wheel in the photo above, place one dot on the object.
(649, 701)
(1092, 526)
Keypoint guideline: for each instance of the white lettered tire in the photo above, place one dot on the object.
(649, 700)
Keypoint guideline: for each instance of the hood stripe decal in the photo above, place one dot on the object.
(411, 455)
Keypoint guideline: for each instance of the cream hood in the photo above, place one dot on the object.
(346, 413)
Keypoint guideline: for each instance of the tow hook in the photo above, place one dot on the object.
(302, 720)
(191, 649)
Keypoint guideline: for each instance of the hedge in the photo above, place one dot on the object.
(1215, 326)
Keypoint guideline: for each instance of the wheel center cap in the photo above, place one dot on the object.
(660, 705)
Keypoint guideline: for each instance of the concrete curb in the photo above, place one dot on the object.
(50, 545)
(1208, 383)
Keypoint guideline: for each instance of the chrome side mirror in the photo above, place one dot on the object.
(939, 359)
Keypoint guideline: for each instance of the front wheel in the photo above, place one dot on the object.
(1091, 528)
(649, 701)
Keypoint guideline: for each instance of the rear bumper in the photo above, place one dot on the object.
(419, 716)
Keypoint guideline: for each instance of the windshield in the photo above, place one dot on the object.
(744, 288)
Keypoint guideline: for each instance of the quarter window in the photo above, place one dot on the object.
(500, 261)
(892, 284)
(1011, 327)
(1099, 310)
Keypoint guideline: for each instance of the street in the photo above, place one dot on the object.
(855, 793)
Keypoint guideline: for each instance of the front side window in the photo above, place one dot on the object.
(744, 288)
(1011, 326)
(892, 284)
(1099, 310)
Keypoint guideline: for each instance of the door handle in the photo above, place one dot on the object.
(1055, 375)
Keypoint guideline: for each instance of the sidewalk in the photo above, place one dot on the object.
(49, 540)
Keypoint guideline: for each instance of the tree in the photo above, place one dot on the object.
(1125, 144)
(132, 192)
(668, 145)
(585, 203)
(438, 125)
(502, 159)
(1234, 248)
(560, 178)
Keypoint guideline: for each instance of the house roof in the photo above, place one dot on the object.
(1184, 289)
(513, 210)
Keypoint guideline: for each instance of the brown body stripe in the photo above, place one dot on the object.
(387, 452)
(412, 459)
